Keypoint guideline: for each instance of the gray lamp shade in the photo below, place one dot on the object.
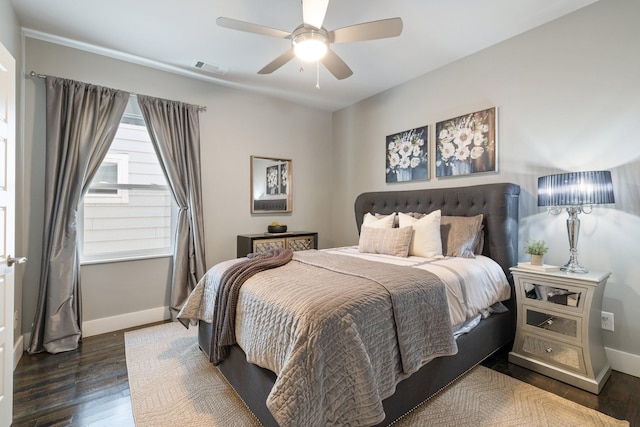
(575, 189)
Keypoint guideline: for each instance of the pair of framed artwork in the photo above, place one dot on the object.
(464, 145)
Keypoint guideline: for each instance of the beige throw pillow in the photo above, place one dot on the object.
(461, 235)
(388, 241)
(425, 241)
(378, 221)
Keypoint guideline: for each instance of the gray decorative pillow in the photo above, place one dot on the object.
(462, 236)
(388, 241)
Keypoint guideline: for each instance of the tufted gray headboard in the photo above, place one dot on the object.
(497, 202)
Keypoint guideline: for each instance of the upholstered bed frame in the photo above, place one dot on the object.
(499, 205)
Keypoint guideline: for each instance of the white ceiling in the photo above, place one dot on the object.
(172, 35)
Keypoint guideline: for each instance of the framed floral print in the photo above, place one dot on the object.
(273, 182)
(407, 155)
(467, 144)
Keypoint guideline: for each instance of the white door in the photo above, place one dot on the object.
(7, 229)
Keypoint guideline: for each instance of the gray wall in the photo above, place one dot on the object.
(568, 99)
(236, 125)
(10, 30)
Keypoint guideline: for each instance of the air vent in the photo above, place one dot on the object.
(211, 68)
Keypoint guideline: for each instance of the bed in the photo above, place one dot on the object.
(498, 205)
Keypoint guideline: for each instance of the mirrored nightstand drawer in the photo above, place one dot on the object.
(554, 352)
(553, 294)
(557, 325)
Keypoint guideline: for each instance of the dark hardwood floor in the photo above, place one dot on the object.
(89, 387)
(85, 387)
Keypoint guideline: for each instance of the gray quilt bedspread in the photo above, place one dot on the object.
(341, 339)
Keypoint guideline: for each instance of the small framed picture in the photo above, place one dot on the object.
(467, 144)
(407, 155)
(273, 182)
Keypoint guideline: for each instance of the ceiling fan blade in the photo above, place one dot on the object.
(381, 29)
(249, 27)
(313, 12)
(278, 62)
(336, 65)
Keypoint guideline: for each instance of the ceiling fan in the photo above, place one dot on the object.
(310, 40)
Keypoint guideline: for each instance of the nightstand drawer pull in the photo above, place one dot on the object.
(549, 349)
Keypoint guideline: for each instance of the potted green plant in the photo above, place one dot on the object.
(537, 249)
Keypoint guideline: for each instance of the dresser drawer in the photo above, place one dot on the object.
(302, 243)
(266, 244)
(566, 355)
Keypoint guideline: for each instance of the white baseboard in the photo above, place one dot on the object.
(17, 351)
(123, 321)
(626, 363)
(106, 324)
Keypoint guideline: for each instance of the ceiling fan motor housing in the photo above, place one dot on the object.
(309, 43)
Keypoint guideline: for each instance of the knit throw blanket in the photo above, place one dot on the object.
(224, 314)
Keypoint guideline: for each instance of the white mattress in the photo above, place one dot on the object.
(473, 284)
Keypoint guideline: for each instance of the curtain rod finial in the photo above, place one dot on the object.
(33, 74)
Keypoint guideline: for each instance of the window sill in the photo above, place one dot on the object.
(124, 258)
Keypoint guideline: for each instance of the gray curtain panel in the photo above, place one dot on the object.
(175, 132)
(82, 120)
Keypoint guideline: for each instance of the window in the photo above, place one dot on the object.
(128, 211)
(113, 170)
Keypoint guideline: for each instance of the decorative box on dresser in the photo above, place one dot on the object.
(558, 331)
(294, 240)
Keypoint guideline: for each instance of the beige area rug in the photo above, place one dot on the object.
(172, 383)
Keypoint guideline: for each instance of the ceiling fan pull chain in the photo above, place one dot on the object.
(318, 75)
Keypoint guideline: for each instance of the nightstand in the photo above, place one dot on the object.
(558, 331)
(294, 240)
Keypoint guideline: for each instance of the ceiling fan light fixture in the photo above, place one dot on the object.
(310, 45)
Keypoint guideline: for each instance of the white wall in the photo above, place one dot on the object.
(236, 125)
(568, 100)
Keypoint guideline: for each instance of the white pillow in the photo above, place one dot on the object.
(426, 241)
(382, 222)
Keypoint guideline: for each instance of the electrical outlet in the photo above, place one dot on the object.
(607, 321)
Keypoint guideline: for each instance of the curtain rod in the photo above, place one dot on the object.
(44, 76)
